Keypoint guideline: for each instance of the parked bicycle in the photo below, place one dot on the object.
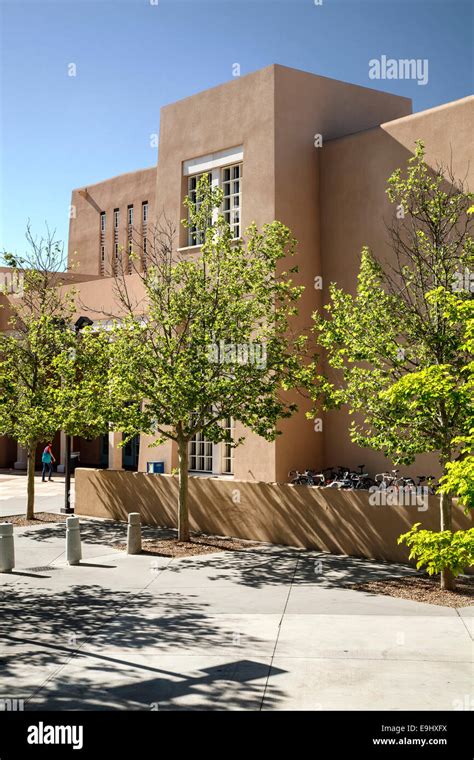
(386, 479)
(346, 479)
(349, 479)
(306, 478)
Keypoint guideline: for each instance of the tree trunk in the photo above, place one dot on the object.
(448, 582)
(183, 509)
(30, 479)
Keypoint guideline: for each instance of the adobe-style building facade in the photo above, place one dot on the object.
(312, 152)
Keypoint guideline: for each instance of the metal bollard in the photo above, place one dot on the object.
(73, 541)
(7, 548)
(134, 533)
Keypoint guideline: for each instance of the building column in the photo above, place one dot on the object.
(21, 458)
(115, 454)
(62, 453)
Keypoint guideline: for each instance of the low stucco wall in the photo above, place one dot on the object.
(341, 522)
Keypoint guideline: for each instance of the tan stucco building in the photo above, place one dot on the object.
(312, 152)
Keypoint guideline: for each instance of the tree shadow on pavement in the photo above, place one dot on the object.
(286, 566)
(78, 648)
(256, 567)
(105, 532)
(228, 685)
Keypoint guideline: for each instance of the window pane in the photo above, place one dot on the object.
(231, 203)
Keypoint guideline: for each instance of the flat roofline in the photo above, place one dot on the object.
(400, 119)
(441, 107)
(274, 66)
(344, 82)
(116, 176)
(65, 274)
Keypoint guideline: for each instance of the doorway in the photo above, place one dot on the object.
(131, 452)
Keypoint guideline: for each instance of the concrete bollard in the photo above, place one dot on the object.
(134, 533)
(7, 548)
(73, 541)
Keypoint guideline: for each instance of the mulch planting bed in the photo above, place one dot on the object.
(422, 589)
(39, 519)
(171, 547)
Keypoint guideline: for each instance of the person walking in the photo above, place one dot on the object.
(47, 460)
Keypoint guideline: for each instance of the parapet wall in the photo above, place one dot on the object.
(340, 522)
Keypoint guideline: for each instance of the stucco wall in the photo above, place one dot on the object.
(335, 521)
(305, 106)
(274, 113)
(333, 198)
(84, 228)
(355, 210)
(240, 112)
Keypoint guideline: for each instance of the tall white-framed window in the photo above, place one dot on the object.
(145, 212)
(200, 454)
(231, 183)
(195, 236)
(225, 170)
(116, 250)
(211, 458)
(130, 215)
(102, 222)
(116, 218)
(230, 180)
(227, 449)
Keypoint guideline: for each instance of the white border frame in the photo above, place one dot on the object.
(213, 161)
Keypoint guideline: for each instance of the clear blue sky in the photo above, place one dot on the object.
(60, 132)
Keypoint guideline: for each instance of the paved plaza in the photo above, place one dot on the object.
(49, 497)
(271, 628)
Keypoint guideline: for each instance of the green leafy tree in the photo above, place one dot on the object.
(459, 478)
(48, 379)
(440, 551)
(396, 348)
(28, 349)
(82, 401)
(210, 339)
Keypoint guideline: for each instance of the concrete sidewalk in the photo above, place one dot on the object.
(264, 629)
(49, 496)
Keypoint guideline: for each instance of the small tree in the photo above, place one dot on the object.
(210, 340)
(398, 356)
(35, 338)
(440, 551)
(48, 379)
(82, 402)
(459, 478)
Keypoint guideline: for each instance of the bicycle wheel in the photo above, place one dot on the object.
(365, 483)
